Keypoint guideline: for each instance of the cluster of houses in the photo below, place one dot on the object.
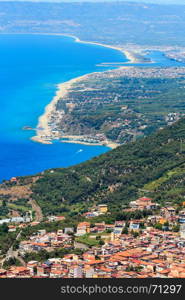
(114, 229)
(85, 228)
(96, 211)
(17, 220)
(143, 203)
(152, 252)
(46, 241)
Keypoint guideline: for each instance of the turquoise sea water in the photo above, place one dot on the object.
(30, 68)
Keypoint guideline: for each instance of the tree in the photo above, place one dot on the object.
(35, 270)
(135, 234)
(176, 228)
(101, 243)
(4, 229)
(16, 245)
(108, 230)
(11, 262)
(125, 230)
(158, 226)
(166, 224)
(4, 203)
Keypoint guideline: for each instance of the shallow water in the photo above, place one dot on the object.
(30, 68)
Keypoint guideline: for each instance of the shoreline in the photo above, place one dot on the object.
(128, 54)
(43, 129)
(132, 59)
(77, 140)
(44, 133)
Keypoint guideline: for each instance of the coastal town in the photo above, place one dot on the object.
(147, 247)
(92, 148)
(177, 55)
(146, 239)
(80, 111)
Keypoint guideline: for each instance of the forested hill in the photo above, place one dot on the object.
(155, 164)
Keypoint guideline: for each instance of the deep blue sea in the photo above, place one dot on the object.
(31, 66)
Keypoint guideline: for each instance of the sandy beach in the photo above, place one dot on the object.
(44, 132)
(128, 54)
(79, 140)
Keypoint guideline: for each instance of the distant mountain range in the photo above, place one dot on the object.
(109, 22)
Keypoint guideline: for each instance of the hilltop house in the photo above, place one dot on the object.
(143, 203)
(103, 208)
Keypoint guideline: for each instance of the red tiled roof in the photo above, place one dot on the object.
(145, 199)
(93, 262)
(165, 271)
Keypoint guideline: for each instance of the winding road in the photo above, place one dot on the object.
(37, 209)
(11, 253)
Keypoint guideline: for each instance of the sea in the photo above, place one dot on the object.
(31, 67)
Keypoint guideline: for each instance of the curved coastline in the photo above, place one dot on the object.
(128, 54)
(44, 131)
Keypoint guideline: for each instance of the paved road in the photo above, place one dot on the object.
(11, 253)
(38, 218)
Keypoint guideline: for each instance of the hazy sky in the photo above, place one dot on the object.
(138, 1)
(146, 1)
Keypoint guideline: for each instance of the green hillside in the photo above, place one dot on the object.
(154, 166)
